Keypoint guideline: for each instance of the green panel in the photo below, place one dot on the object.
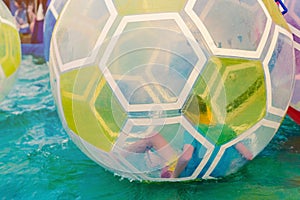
(133, 7)
(111, 114)
(218, 134)
(238, 81)
(245, 89)
(230, 87)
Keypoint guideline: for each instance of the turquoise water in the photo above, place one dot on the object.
(39, 161)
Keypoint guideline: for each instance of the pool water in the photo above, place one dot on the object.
(39, 161)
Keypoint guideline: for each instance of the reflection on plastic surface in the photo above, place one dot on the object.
(174, 92)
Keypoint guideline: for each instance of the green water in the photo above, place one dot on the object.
(39, 161)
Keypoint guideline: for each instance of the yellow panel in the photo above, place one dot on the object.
(80, 93)
(67, 105)
(16, 51)
(276, 14)
(79, 88)
(133, 7)
(2, 43)
(197, 110)
(66, 87)
(88, 126)
(10, 44)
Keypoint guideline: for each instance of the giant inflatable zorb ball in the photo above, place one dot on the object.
(54, 9)
(293, 19)
(172, 90)
(10, 51)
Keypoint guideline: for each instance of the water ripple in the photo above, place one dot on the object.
(32, 90)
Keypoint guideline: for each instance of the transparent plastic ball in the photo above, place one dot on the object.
(172, 90)
(10, 51)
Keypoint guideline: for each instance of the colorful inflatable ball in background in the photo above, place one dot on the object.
(172, 90)
(293, 19)
(10, 51)
(54, 9)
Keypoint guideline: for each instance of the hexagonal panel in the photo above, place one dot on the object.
(296, 96)
(78, 102)
(105, 159)
(280, 63)
(108, 110)
(224, 90)
(154, 71)
(227, 34)
(52, 14)
(293, 18)
(134, 7)
(228, 159)
(68, 94)
(10, 50)
(78, 40)
(149, 148)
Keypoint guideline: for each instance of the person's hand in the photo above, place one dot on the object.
(166, 173)
(244, 151)
(248, 155)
